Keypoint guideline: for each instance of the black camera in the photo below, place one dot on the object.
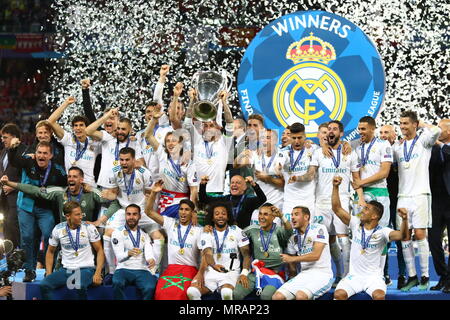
(14, 261)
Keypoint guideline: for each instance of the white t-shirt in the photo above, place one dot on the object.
(301, 192)
(273, 193)
(142, 181)
(192, 245)
(85, 258)
(109, 143)
(316, 233)
(380, 152)
(213, 167)
(415, 180)
(327, 170)
(170, 177)
(122, 243)
(367, 264)
(87, 161)
(235, 239)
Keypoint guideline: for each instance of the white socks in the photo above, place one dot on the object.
(408, 255)
(226, 294)
(337, 258)
(344, 243)
(193, 293)
(109, 254)
(424, 253)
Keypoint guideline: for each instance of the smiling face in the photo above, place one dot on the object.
(43, 134)
(387, 132)
(127, 162)
(220, 217)
(123, 131)
(43, 156)
(299, 219)
(132, 217)
(366, 131)
(75, 217)
(322, 135)
(209, 130)
(74, 181)
(334, 134)
(253, 128)
(111, 124)
(185, 214)
(444, 125)
(172, 143)
(79, 128)
(6, 139)
(368, 213)
(237, 185)
(408, 127)
(149, 113)
(265, 217)
(286, 138)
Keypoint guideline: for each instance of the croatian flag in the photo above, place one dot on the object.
(265, 276)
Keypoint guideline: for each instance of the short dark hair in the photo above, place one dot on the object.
(128, 150)
(227, 205)
(80, 171)
(45, 144)
(256, 116)
(379, 208)
(12, 129)
(273, 131)
(297, 127)
(133, 205)
(411, 115)
(151, 104)
(126, 120)
(267, 204)
(305, 210)
(369, 120)
(69, 206)
(80, 119)
(188, 203)
(340, 125)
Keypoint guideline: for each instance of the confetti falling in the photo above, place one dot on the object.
(120, 45)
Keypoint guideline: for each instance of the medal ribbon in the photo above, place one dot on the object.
(407, 153)
(75, 245)
(337, 159)
(299, 240)
(129, 188)
(138, 236)
(116, 151)
(365, 158)
(265, 243)
(263, 160)
(209, 150)
(79, 153)
(80, 194)
(237, 208)
(183, 241)
(364, 241)
(220, 247)
(291, 158)
(176, 167)
(47, 172)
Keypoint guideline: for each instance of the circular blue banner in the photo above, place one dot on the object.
(311, 67)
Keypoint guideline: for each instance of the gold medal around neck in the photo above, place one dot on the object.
(210, 161)
(74, 163)
(363, 251)
(266, 254)
(147, 147)
(116, 163)
(181, 179)
(76, 253)
(181, 251)
(406, 165)
(219, 256)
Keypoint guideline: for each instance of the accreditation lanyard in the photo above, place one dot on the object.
(43, 182)
(237, 208)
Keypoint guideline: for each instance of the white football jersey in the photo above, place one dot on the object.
(316, 233)
(85, 257)
(122, 243)
(192, 245)
(87, 160)
(414, 179)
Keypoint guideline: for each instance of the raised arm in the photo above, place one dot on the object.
(92, 131)
(173, 117)
(158, 93)
(223, 95)
(151, 126)
(57, 129)
(403, 233)
(336, 202)
(87, 105)
(150, 201)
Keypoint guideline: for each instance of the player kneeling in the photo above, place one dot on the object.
(311, 249)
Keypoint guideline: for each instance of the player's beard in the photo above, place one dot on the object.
(220, 224)
(332, 141)
(132, 223)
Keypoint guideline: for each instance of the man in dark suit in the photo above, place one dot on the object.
(8, 196)
(440, 205)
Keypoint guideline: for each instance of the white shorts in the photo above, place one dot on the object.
(369, 196)
(313, 283)
(215, 280)
(419, 211)
(288, 205)
(117, 220)
(353, 284)
(324, 215)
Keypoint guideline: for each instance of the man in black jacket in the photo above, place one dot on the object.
(35, 213)
(243, 205)
(8, 195)
(440, 206)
